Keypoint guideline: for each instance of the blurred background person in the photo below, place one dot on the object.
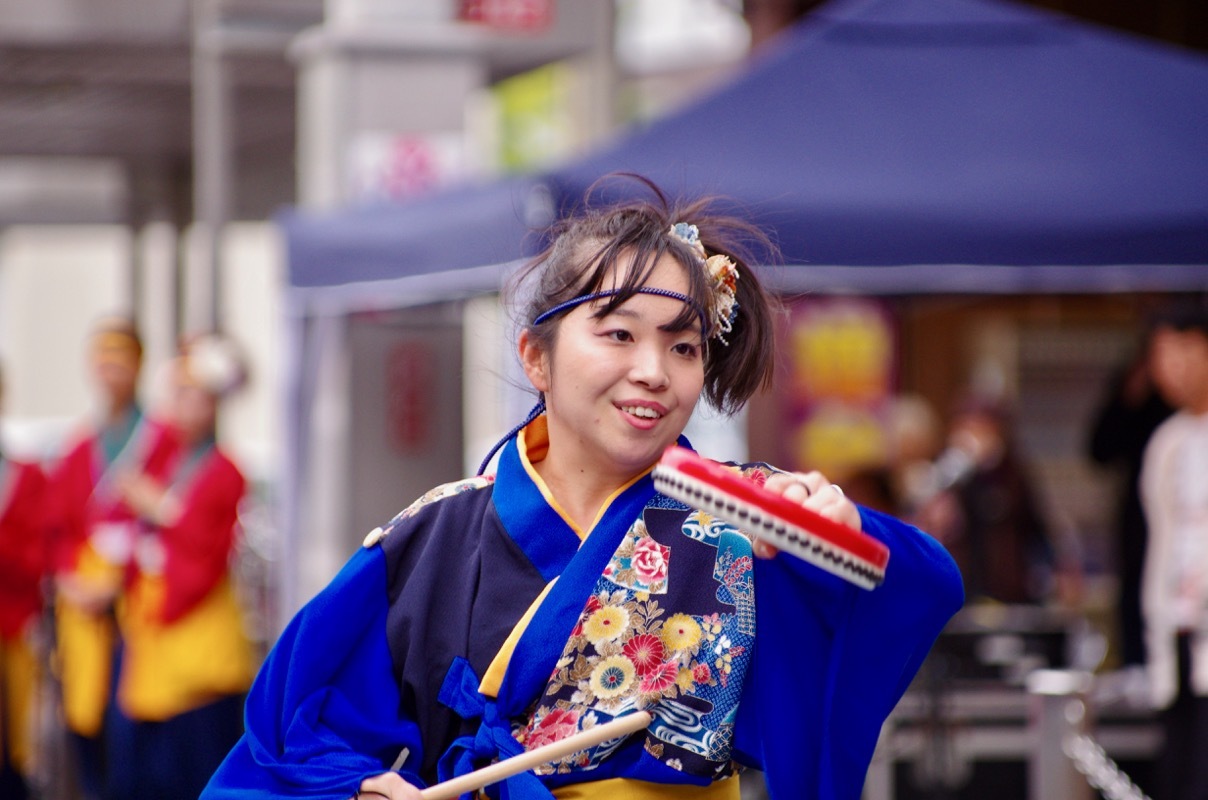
(906, 478)
(23, 558)
(92, 541)
(187, 661)
(986, 511)
(916, 437)
(1130, 410)
(1174, 589)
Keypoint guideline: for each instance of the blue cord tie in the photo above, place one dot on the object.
(536, 411)
(574, 301)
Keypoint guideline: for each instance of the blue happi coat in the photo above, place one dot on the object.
(413, 655)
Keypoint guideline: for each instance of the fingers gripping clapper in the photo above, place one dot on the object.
(852, 555)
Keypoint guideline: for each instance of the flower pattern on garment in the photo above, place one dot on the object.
(679, 649)
(441, 492)
(640, 563)
(445, 490)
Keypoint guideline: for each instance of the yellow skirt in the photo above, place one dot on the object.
(627, 789)
(169, 669)
(84, 650)
(22, 677)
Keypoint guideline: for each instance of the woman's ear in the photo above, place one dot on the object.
(534, 360)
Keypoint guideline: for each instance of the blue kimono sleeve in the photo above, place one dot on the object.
(323, 713)
(832, 660)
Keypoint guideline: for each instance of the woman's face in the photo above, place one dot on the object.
(1179, 363)
(195, 410)
(620, 389)
(116, 378)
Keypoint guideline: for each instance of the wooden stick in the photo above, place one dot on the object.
(473, 781)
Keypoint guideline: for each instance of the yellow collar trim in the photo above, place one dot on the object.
(493, 678)
(532, 443)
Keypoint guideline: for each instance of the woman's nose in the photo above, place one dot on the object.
(649, 368)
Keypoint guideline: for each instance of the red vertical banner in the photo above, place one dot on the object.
(396, 166)
(843, 354)
(514, 15)
(410, 396)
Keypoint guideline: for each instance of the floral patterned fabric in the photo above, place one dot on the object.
(653, 635)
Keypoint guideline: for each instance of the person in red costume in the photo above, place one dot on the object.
(92, 540)
(23, 550)
(187, 662)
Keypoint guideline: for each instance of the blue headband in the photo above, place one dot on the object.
(586, 298)
(722, 275)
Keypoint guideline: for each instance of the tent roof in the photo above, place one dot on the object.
(967, 145)
(470, 226)
(881, 132)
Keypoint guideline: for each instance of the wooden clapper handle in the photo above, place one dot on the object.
(473, 781)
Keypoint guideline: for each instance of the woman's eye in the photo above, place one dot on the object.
(620, 335)
(687, 349)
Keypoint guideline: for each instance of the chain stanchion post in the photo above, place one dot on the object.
(1057, 712)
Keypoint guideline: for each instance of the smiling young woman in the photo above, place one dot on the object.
(508, 611)
(626, 384)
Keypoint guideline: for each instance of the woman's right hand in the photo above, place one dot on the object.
(93, 596)
(389, 785)
(810, 490)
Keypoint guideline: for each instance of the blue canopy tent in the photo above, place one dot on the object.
(368, 256)
(890, 146)
(954, 145)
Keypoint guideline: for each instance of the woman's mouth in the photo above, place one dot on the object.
(642, 412)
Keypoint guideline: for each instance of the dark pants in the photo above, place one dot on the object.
(1181, 769)
(174, 759)
(95, 756)
(12, 785)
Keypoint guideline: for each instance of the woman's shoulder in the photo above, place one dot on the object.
(76, 447)
(25, 469)
(446, 491)
(1176, 425)
(220, 468)
(1165, 439)
(439, 496)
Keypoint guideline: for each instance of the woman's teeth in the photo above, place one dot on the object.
(640, 411)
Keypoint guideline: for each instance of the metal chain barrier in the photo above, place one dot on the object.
(1067, 761)
(1100, 771)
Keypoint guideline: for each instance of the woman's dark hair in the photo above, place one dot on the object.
(586, 245)
(1185, 314)
(119, 325)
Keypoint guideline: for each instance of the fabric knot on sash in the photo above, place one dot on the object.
(493, 740)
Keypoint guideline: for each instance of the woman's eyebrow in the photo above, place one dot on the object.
(692, 326)
(667, 327)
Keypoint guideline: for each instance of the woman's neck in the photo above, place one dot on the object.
(196, 439)
(581, 491)
(119, 412)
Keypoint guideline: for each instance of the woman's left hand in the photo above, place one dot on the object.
(148, 498)
(813, 491)
(389, 785)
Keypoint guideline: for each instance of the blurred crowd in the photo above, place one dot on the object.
(123, 654)
(969, 484)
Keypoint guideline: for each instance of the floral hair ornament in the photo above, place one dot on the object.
(723, 283)
(213, 363)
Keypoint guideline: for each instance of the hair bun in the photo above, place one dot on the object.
(214, 363)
